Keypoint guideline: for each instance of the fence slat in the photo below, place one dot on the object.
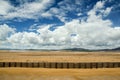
(61, 64)
(1, 64)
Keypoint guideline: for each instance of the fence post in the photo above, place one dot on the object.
(1, 64)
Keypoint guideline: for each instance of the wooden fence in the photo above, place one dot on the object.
(61, 64)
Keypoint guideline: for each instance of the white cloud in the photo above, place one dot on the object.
(37, 9)
(98, 12)
(99, 5)
(94, 33)
(87, 35)
(4, 7)
(25, 40)
(107, 11)
(59, 13)
(5, 31)
(79, 14)
(29, 10)
(65, 7)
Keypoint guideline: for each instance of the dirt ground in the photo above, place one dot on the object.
(58, 56)
(59, 74)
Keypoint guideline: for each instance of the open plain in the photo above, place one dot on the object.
(58, 56)
(58, 74)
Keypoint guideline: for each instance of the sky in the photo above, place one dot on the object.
(59, 24)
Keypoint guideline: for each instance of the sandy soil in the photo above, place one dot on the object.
(59, 74)
(58, 56)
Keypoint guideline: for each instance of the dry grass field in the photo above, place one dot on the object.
(59, 74)
(58, 56)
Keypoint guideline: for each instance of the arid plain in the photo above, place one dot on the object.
(58, 74)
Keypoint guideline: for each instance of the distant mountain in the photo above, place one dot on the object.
(76, 49)
(82, 49)
(115, 49)
(68, 49)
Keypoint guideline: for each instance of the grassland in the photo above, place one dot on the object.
(58, 56)
(58, 74)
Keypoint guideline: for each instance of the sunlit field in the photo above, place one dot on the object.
(58, 56)
(58, 74)
(59, 39)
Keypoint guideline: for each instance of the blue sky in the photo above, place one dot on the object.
(58, 24)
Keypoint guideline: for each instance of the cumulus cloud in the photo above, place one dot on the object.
(5, 31)
(25, 40)
(88, 35)
(92, 33)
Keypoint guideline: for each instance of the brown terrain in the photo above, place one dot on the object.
(58, 74)
(58, 56)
